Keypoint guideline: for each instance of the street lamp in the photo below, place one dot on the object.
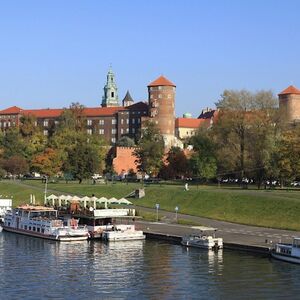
(176, 211)
(157, 208)
(45, 192)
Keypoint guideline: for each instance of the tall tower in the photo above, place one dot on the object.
(161, 97)
(110, 97)
(289, 104)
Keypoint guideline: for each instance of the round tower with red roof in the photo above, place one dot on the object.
(161, 97)
(289, 104)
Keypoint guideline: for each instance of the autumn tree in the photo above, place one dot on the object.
(49, 162)
(243, 127)
(15, 165)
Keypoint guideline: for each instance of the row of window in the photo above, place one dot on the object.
(114, 121)
(169, 96)
(7, 124)
(113, 131)
(8, 117)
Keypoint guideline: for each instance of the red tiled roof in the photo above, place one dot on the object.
(290, 90)
(11, 110)
(161, 81)
(102, 111)
(189, 122)
(44, 113)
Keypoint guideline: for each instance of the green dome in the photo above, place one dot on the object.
(187, 115)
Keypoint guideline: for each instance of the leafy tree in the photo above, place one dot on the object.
(15, 165)
(48, 163)
(177, 164)
(83, 161)
(13, 144)
(125, 141)
(203, 161)
(243, 115)
(150, 150)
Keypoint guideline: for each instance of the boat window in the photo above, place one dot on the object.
(25, 227)
(43, 230)
(33, 228)
(29, 227)
(38, 229)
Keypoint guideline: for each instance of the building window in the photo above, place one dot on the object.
(101, 131)
(139, 121)
(122, 121)
(169, 96)
(114, 131)
(159, 88)
(89, 122)
(113, 140)
(112, 94)
(127, 121)
(127, 130)
(113, 121)
(101, 122)
(89, 131)
(122, 130)
(133, 130)
(159, 95)
(133, 121)
(35, 123)
(45, 123)
(45, 132)
(151, 96)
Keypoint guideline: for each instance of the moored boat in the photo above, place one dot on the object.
(123, 233)
(43, 222)
(287, 252)
(108, 224)
(203, 238)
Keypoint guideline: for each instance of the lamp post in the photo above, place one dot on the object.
(157, 208)
(176, 213)
(45, 192)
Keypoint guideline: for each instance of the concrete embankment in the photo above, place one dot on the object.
(257, 240)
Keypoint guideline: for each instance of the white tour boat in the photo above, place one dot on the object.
(287, 252)
(108, 224)
(123, 233)
(43, 222)
(203, 238)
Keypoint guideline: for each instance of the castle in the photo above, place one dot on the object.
(112, 120)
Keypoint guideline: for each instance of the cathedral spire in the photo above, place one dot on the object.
(110, 97)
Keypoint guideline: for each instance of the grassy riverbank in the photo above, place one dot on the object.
(269, 208)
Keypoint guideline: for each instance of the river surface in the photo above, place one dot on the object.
(32, 268)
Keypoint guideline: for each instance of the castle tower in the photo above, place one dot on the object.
(110, 97)
(127, 101)
(161, 97)
(289, 104)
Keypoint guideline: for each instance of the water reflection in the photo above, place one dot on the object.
(32, 268)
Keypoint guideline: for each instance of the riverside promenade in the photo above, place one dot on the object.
(235, 236)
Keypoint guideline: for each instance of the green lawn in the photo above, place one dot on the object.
(269, 208)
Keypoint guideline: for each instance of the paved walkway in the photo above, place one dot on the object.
(230, 232)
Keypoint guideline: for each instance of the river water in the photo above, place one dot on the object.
(32, 268)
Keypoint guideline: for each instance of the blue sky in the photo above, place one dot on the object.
(55, 52)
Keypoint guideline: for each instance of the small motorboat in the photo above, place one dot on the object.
(287, 252)
(204, 237)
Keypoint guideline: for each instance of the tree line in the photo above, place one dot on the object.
(248, 139)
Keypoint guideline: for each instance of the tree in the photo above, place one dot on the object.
(15, 165)
(177, 164)
(150, 150)
(83, 161)
(243, 115)
(49, 162)
(203, 161)
(125, 141)
(13, 144)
